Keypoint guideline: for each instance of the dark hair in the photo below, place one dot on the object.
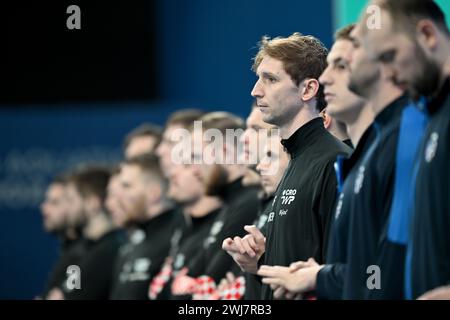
(144, 130)
(303, 57)
(344, 33)
(60, 179)
(115, 170)
(91, 181)
(222, 121)
(406, 13)
(184, 117)
(149, 164)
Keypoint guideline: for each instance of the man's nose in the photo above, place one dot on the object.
(257, 91)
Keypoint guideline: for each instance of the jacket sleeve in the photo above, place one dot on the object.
(325, 198)
(220, 262)
(330, 281)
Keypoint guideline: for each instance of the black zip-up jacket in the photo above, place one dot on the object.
(428, 263)
(372, 196)
(71, 253)
(141, 258)
(185, 247)
(298, 225)
(252, 281)
(96, 268)
(240, 209)
(330, 279)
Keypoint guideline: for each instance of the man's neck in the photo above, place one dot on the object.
(235, 172)
(203, 206)
(158, 208)
(304, 116)
(383, 96)
(97, 226)
(70, 234)
(360, 123)
(342, 136)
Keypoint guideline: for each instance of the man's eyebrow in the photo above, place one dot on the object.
(267, 74)
(336, 61)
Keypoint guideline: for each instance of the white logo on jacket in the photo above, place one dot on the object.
(215, 229)
(288, 196)
(359, 179)
(339, 206)
(262, 221)
(136, 270)
(431, 148)
(137, 236)
(179, 261)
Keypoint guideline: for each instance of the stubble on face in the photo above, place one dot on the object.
(216, 180)
(427, 77)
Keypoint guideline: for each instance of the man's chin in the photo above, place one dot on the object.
(337, 112)
(251, 178)
(216, 181)
(332, 110)
(267, 118)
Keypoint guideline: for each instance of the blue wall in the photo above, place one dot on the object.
(204, 50)
(207, 46)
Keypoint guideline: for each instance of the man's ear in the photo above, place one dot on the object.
(427, 34)
(326, 120)
(92, 204)
(154, 193)
(310, 89)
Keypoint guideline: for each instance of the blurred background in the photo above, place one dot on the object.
(70, 96)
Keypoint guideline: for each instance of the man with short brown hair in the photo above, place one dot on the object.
(413, 46)
(141, 140)
(86, 193)
(151, 218)
(180, 119)
(289, 96)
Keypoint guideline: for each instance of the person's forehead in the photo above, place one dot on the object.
(56, 187)
(376, 32)
(270, 65)
(196, 136)
(130, 170)
(114, 181)
(55, 192)
(170, 129)
(140, 140)
(356, 33)
(394, 41)
(340, 50)
(72, 189)
(71, 186)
